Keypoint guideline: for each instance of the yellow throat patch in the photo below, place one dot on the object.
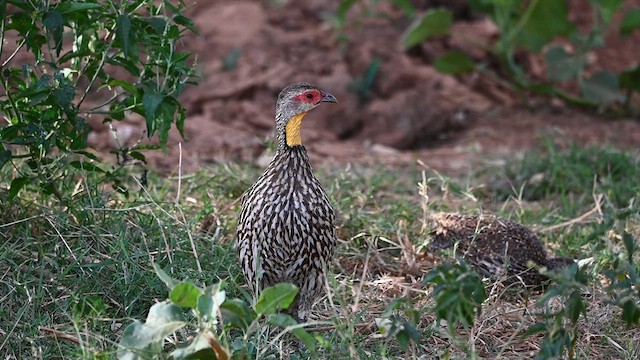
(292, 130)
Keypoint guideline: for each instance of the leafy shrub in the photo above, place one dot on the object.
(124, 54)
(532, 26)
(210, 317)
(459, 293)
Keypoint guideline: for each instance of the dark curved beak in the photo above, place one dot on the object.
(326, 97)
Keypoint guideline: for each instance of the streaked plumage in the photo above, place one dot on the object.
(286, 231)
(492, 245)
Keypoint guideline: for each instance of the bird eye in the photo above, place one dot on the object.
(309, 96)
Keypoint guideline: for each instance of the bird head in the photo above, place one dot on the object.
(293, 104)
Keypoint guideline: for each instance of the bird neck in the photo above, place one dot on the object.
(289, 135)
(290, 158)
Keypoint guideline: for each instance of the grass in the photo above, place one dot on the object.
(71, 279)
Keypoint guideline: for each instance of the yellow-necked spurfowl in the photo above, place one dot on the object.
(286, 231)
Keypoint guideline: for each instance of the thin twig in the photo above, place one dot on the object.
(184, 219)
(59, 335)
(64, 241)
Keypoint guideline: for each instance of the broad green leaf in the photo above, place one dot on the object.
(630, 312)
(166, 279)
(186, 22)
(67, 7)
(127, 86)
(575, 306)
(209, 303)
(343, 8)
(185, 294)
(547, 20)
(433, 23)
(147, 339)
(562, 66)
(165, 119)
(157, 23)
(406, 6)
(151, 100)
(601, 88)
(277, 297)
(182, 116)
(205, 346)
(123, 33)
(16, 185)
(630, 79)
(535, 329)
(630, 22)
(138, 156)
(86, 166)
(454, 63)
(64, 94)
(165, 314)
(134, 337)
(237, 313)
(284, 321)
(607, 8)
(54, 23)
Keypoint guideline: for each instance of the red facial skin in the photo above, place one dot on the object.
(310, 96)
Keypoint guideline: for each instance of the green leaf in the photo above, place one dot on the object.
(601, 88)
(16, 185)
(185, 294)
(67, 7)
(454, 63)
(123, 33)
(167, 315)
(138, 156)
(209, 302)
(200, 348)
(166, 279)
(135, 337)
(54, 23)
(562, 66)
(630, 312)
(607, 8)
(284, 321)
(277, 297)
(163, 320)
(406, 6)
(630, 22)
(433, 23)
(575, 306)
(86, 166)
(630, 79)
(186, 22)
(535, 329)
(547, 20)
(151, 100)
(237, 313)
(165, 117)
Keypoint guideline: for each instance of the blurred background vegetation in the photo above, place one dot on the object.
(120, 176)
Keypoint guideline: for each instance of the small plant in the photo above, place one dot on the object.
(400, 321)
(204, 332)
(123, 56)
(361, 86)
(624, 287)
(560, 324)
(459, 293)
